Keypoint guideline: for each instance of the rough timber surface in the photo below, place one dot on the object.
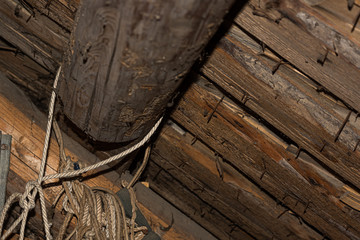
(267, 165)
(127, 58)
(288, 101)
(218, 197)
(304, 51)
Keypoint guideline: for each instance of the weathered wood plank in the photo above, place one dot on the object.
(177, 156)
(36, 49)
(38, 28)
(245, 148)
(177, 194)
(127, 58)
(303, 51)
(288, 101)
(331, 22)
(56, 11)
(26, 73)
(5, 145)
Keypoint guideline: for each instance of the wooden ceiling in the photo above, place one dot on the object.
(263, 140)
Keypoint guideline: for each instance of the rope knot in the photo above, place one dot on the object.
(27, 200)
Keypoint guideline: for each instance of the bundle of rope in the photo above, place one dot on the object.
(99, 213)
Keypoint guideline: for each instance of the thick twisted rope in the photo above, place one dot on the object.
(27, 199)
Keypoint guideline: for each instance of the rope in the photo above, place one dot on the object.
(107, 161)
(99, 212)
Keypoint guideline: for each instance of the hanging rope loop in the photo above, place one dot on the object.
(99, 212)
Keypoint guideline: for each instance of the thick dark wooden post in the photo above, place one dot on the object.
(126, 59)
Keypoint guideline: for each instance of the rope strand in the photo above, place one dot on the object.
(78, 196)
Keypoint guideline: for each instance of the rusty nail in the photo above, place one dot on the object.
(262, 175)
(342, 126)
(307, 206)
(321, 60)
(276, 67)
(4, 147)
(356, 145)
(298, 153)
(193, 140)
(282, 213)
(214, 110)
(323, 146)
(356, 21)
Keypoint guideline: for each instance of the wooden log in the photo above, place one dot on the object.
(288, 101)
(175, 153)
(246, 149)
(127, 58)
(303, 51)
(26, 151)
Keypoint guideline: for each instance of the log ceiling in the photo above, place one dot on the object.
(263, 140)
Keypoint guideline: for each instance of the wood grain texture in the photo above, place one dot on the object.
(245, 148)
(188, 162)
(164, 184)
(303, 51)
(36, 28)
(288, 101)
(57, 11)
(330, 22)
(16, 35)
(127, 58)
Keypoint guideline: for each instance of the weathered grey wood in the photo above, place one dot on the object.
(330, 22)
(288, 101)
(5, 144)
(244, 147)
(127, 58)
(303, 51)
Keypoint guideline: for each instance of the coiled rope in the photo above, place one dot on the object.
(80, 199)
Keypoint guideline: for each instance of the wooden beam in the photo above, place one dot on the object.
(331, 22)
(26, 73)
(196, 168)
(21, 36)
(259, 159)
(57, 11)
(303, 51)
(288, 101)
(36, 28)
(127, 58)
(164, 184)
